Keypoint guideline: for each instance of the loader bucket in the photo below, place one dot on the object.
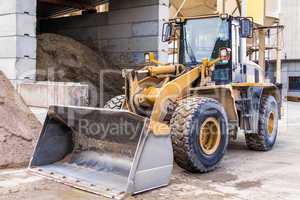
(106, 152)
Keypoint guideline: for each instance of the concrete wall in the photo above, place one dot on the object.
(290, 18)
(53, 93)
(291, 68)
(129, 29)
(18, 39)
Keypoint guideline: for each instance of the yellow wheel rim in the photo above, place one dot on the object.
(210, 136)
(271, 123)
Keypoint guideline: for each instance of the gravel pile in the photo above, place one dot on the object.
(61, 58)
(19, 128)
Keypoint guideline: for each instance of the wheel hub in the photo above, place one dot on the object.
(210, 136)
(271, 121)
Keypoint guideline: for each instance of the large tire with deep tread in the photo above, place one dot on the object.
(185, 130)
(263, 140)
(115, 103)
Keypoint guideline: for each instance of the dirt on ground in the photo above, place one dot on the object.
(242, 175)
(19, 128)
(64, 59)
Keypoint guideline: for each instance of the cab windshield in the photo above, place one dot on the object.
(203, 38)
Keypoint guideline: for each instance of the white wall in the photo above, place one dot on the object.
(291, 68)
(290, 18)
(18, 39)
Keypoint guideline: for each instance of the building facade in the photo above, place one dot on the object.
(290, 18)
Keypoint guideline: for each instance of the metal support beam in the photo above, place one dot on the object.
(179, 9)
(269, 27)
(224, 7)
(239, 5)
(278, 57)
(69, 3)
(262, 48)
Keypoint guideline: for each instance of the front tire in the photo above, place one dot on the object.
(115, 103)
(266, 137)
(199, 130)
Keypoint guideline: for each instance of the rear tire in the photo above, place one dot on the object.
(115, 103)
(266, 137)
(188, 128)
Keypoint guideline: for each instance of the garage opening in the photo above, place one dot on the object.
(72, 39)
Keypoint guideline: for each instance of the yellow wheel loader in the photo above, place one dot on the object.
(186, 111)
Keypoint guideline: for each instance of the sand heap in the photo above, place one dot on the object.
(61, 58)
(19, 128)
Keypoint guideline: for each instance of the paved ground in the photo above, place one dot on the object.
(242, 175)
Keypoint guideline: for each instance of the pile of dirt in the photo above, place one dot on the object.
(19, 128)
(64, 59)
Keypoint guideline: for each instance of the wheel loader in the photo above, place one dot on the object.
(185, 112)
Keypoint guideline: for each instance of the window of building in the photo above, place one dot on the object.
(294, 83)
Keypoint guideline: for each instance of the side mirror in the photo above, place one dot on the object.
(246, 30)
(167, 32)
(225, 55)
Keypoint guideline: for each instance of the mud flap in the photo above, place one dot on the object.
(107, 152)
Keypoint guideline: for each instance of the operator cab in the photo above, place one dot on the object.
(204, 37)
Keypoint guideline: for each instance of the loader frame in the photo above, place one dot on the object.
(170, 108)
(241, 103)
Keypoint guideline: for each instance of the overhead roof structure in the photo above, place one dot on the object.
(47, 8)
(263, 12)
(206, 7)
